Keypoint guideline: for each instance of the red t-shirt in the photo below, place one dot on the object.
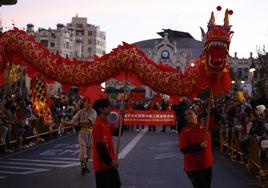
(194, 135)
(102, 133)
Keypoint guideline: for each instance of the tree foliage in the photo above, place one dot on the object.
(261, 63)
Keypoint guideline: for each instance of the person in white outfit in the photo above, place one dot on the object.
(85, 118)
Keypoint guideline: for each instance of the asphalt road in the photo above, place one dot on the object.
(147, 160)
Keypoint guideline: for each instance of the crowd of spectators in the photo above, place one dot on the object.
(236, 121)
(19, 122)
(239, 123)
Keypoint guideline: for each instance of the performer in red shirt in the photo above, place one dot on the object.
(197, 151)
(105, 163)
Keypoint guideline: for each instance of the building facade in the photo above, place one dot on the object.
(175, 48)
(240, 73)
(179, 49)
(77, 39)
(91, 39)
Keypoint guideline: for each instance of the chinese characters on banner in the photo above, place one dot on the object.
(150, 117)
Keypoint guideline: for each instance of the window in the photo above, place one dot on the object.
(246, 73)
(80, 32)
(44, 42)
(52, 44)
(53, 35)
(79, 41)
(239, 74)
(89, 41)
(79, 25)
(89, 50)
(90, 33)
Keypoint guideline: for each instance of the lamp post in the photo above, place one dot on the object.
(252, 69)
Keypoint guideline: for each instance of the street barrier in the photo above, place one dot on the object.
(230, 139)
(37, 134)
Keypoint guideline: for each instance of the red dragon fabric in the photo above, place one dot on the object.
(210, 70)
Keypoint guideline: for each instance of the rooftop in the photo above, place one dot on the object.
(173, 34)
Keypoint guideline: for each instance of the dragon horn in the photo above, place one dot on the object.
(212, 19)
(226, 18)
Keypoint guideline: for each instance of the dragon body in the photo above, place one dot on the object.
(210, 70)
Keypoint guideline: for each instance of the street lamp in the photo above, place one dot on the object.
(233, 82)
(242, 81)
(252, 69)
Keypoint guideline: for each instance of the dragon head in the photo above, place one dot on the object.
(216, 43)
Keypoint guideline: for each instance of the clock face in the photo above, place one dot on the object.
(164, 54)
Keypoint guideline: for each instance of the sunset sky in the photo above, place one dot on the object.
(132, 21)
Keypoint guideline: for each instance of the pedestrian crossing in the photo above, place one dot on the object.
(26, 166)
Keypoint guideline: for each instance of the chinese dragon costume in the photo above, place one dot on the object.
(211, 69)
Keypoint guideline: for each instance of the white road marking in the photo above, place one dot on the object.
(168, 143)
(50, 152)
(23, 173)
(35, 160)
(45, 165)
(165, 156)
(60, 162)
(65, 158)
(21, 168)
(29, 170)
(161, 154)
(124, 152)
(58, 152)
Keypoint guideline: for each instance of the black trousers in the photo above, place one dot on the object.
(107, 178)
(201, 178)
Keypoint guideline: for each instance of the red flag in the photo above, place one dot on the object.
(93, 92)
